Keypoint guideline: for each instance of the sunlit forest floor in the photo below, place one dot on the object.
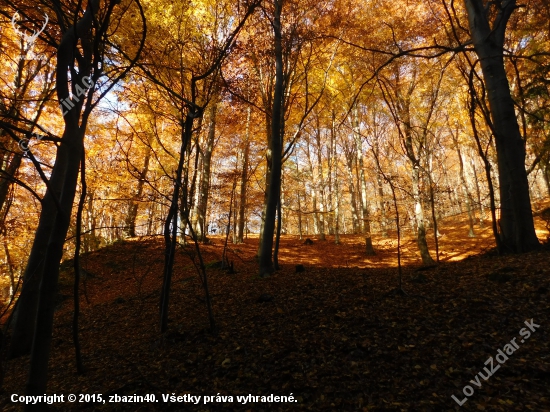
(336, 336)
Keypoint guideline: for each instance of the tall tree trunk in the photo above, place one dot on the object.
(466, 192)
(314, 191)
(404, 108)
(130, 228)
(353, 195)
(336, 207)
(195, 211)
(300, 230)
(38, 373)
(546, 176)
(185, 207)
(478, 194)
(516, 219)
(201, 228)
(5, 179)
(171, 224)
(193, 196)
(419, 217)
(70, 153)
(278, 236)
(58, 195)
(273, 194)
(320, 185)
(365, 217)
(383, 217)
(10, 266)
(268, 166)
(432, 207)
(379, 182)
(244, 178)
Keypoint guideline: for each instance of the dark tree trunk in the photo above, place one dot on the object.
(70, 153)
(64, 174)
(352, 192)
(478, 195)
(202, 206)
(365, 215)
(404, 113)
(274, 188)
(244, 179)
(130, 228)
(171, 224)
(516, 221)
(464, 185)
(5, 179)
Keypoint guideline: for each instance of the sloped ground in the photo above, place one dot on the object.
(336, 337)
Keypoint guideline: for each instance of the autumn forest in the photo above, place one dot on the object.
(272, 205)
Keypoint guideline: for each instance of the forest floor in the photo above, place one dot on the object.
(335, 337)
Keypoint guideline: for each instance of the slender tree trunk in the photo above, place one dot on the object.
(320, 186)
(546, 176)
(379, 181)
(10, 266)
(365, 217)
(76, 265)
(466, 192)
(244, 178)
(404, 109)
(432, 207)
(273, 195)
(487, 166)
(268, 166)
(419, 217)
(352, 192)
(130, 228)
(195, 210)
(193, 196)
(277, 237)
(300, 216)
(171, 225)
(314, 191)
(185, 205)
(5, 182)
(201, 228)
(478, 194)
(336, 207)
(225, 261)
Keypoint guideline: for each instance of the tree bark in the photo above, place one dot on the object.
(130, 228)
(64, 172)
(404, 108)
(516, 221)
(365, 217)
(273, 193)
(320, 185)
(464, 185)
(5, 179)
(201, 228)
(352, 192)
(478, 194)
(244, 178)
(70, 152)
(379, 181)
(171, 223)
